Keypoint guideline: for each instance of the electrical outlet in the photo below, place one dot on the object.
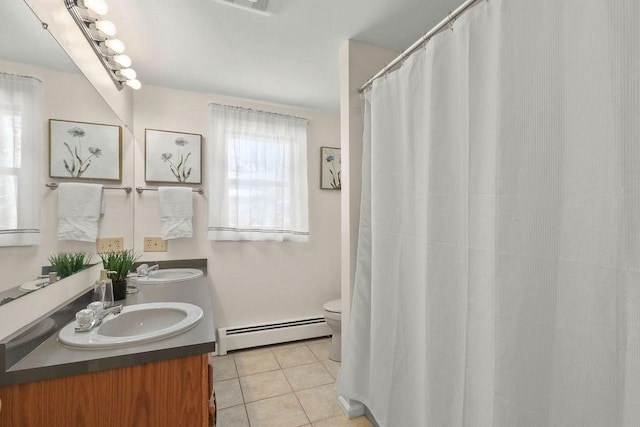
(155, 244)
(109, 244)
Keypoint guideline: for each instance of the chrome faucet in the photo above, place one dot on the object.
(144, 269)
(116, 309)
(98, 317)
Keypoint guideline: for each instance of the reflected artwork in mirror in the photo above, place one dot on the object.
(29, 50)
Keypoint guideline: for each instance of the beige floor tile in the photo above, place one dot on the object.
(332, 367)
(250, 351)
(225, 357)
(255, 362)
(288, 345)
(288, 357)
(319, 403)
(343, 421)
(307, 376)
(319, 339)
(224, 368)
(320, 349)
(228, 393)
(236, 416)
(264, 385)
(281, 411)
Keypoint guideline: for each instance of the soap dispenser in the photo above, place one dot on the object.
(103, 290)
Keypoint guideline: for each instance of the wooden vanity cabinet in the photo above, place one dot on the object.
(170, 393)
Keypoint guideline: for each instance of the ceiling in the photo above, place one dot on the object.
(290, 56)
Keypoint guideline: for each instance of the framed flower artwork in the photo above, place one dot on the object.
(330, 168)
(81, 150)
(173, 157)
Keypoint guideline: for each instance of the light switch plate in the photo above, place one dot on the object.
(154, 244)
(109, 244)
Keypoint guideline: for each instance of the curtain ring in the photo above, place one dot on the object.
(451, 21)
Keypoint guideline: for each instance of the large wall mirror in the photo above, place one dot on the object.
(27, 49)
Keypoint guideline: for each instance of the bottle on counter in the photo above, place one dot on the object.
(103, 290)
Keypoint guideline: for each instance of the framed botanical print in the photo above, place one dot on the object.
(330, 168)
(83, 150)
(173, 157)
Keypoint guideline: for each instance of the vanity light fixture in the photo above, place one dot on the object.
(127, 73)
(121, 60)
(115, 45)
(98, 6)
(133, 84)
(106, 27)
(87, 14)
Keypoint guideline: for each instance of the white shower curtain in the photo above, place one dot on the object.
(498, 272)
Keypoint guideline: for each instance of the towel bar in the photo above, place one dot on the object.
(198, 190)
(54, 185)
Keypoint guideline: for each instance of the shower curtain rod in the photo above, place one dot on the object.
(448, 21)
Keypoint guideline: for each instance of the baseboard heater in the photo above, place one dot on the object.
(239, 337)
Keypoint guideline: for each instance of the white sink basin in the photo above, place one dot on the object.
(136, 324)
(169, 275)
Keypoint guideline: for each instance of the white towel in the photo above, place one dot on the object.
(79, 209)
(176, 212)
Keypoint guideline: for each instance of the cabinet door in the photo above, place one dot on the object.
(166, 393)
(212, 396)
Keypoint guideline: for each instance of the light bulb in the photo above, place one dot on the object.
(122, 60)
(133, 84)
(98, 6)
(115, 45)
(128, 73)
(106, 27)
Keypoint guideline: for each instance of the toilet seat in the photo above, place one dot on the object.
(334, 306)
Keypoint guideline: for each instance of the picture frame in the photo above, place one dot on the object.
(172, 157)
(85, 151)
(330, 168)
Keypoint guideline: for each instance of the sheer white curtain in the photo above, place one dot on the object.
(258, 175)
(20, 157)
(498, 273)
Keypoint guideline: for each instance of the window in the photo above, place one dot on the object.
(9, 166)
(258, 175)
(20, 142)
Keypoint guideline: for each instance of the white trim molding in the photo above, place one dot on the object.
(351, 408)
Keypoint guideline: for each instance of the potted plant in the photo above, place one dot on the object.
(118, 264)
(67, 263)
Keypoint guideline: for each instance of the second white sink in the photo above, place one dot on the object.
(169, 275)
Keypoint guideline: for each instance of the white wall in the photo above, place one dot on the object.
(358, 62)
(250, 281)
(67, 96)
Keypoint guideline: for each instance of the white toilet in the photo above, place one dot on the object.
(333, 317)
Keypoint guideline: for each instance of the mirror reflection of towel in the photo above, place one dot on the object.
(176, 212)
(79, 210)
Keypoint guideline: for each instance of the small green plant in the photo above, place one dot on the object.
(67, 263)
(119, 263)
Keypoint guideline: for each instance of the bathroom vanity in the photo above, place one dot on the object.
(161, 383)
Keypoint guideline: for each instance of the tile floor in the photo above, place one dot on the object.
(287, 385)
